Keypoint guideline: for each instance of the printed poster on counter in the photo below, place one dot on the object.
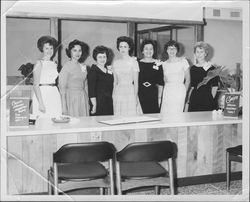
(19, 112)
(232, 104)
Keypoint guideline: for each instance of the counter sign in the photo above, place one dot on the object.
(19, 112)
(232, 102)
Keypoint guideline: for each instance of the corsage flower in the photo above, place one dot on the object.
(83, 68)
(157, 63)
(109, 69)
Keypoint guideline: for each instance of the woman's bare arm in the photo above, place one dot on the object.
(37, 74)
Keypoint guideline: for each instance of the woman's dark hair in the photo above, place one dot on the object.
(84, 47)
(103, 49)
(99, 49)
(172, 43)
(153, 43)
(47, 39)
(129, 41)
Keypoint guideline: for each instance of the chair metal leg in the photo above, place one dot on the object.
(157, 190)
(55, 176)
(171, 175)
(118, 178)
(49, 183)
(111, 175)
(228, 169)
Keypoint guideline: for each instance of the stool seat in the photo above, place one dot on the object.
(232, 154)
(235, 150)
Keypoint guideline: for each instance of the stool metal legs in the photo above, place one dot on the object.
(228, 169)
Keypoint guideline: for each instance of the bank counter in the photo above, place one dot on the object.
(200, 138)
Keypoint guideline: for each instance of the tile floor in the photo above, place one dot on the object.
(203, 189)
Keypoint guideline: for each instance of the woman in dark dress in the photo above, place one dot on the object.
(150, 78)
(100, 83)
(202, 99)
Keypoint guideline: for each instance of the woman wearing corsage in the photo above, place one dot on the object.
(126, 69)
(177, 79)
(100, 82)
(150, 78)
(73, 80)
(202, 98)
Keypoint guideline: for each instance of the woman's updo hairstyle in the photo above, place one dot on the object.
(99, 50)
(84, 47)
(172, 43)
(47, 39)
(153, 43)
(129, 41)
(103, 50)
(202, 45)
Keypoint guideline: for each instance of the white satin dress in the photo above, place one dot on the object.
(174, 92)
(50, 94)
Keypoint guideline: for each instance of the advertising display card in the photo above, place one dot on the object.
(19, 112)
(232, 102)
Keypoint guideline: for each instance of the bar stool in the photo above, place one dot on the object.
(77, 165)
(232, 154)
(137, 165)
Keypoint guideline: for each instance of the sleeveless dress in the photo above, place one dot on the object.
(50, 94)
(150, 75)
(174, 92)
(72, 81)
(124, 101)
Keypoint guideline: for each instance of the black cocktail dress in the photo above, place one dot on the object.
(100, 86)
(149, 76)
(201, 99)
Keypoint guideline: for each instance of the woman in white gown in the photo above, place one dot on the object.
(46, 100)
(126, 69)
(176, 78)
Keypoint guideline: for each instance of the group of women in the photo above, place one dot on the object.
(126, 86)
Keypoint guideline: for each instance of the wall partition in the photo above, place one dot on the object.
(21, 38)
(93, 33)
(23, 33)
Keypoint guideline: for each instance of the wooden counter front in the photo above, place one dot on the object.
(201, 140)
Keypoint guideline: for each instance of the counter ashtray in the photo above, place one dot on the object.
(61, 119)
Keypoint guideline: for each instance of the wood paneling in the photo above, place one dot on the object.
(49, 147)
(200, 151)
(192, 150)
(182, 151)
(63, 139)
(122, 138)
(204, 150)
(218, 152)
(15, 181)
(32, 158)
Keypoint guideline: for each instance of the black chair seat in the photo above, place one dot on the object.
(91, 170)
(141, 169)
(232, 154)
(79, 165)
(237, 151)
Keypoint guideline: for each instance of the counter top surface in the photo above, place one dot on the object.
(92, 124)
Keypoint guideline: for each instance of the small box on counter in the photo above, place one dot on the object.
(232, 104)
(19, 112)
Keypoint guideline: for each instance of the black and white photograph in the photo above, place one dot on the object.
(124, 100)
